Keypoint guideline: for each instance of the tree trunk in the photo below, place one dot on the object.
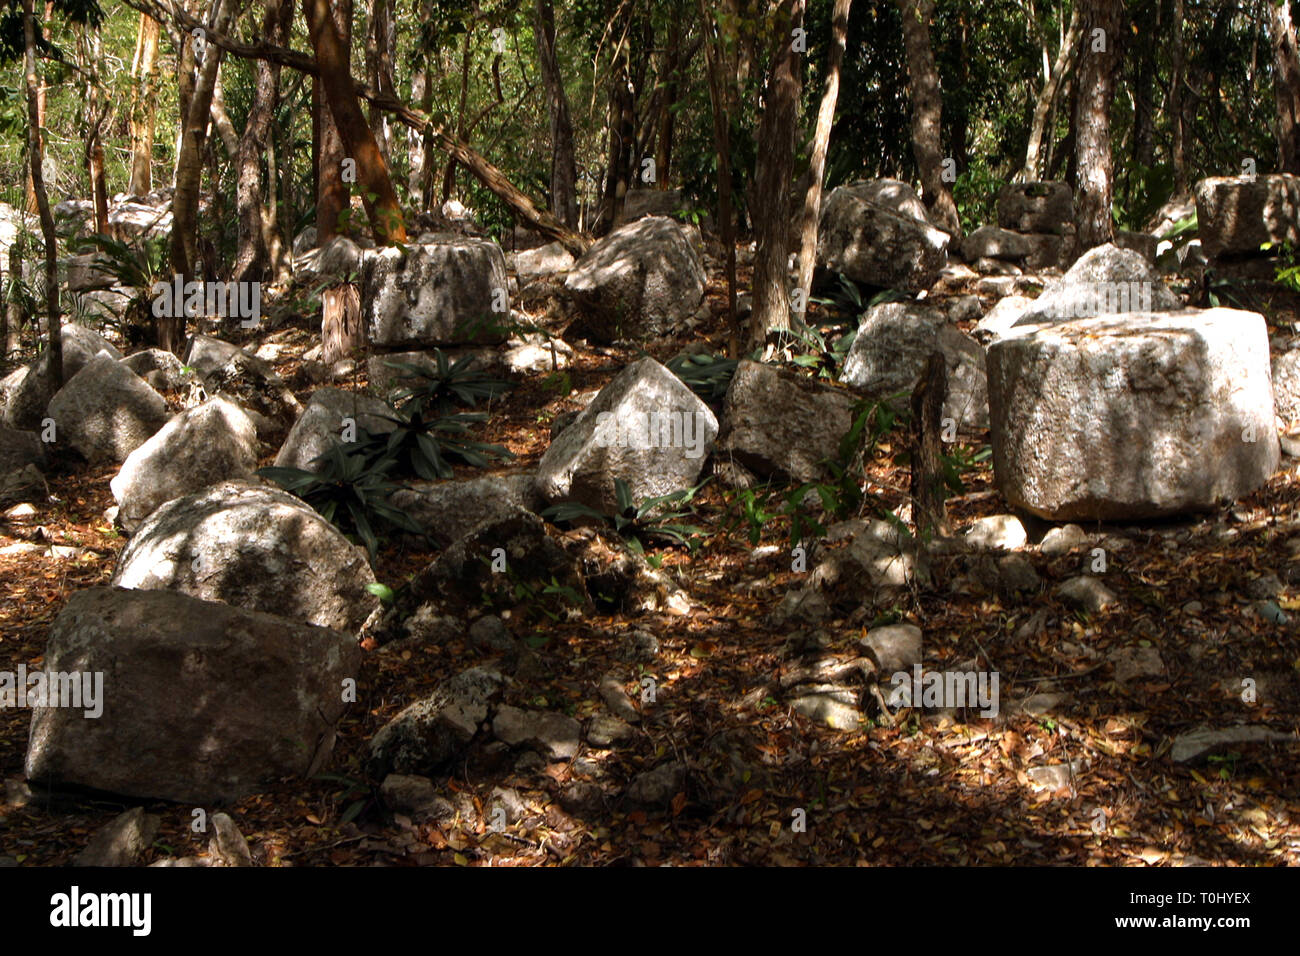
(1286, 86)
(382, 207)
(144, 74)
(189, 174)
(252, 256)
(343, 335)
(622, 132)
(96, 115)
(772, 182)
(713, 55)
(929, 513)
(466, 58)
(927, 113)
(380, 38)
(418, 147)
(333, 198)
(812, 202)
(40, 116)
(670, 83)
(1065, 59)
(1176, 80)
(1096, 89)
(483, 170)
(53, 325)
(13, 307)
(564, 175)
(185, 79)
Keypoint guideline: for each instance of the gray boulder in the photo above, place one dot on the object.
(1237, 214)
(1106, 280)
(25, 392)
(445, 291)
(431, 732)
(643, 280)
(18, 449)
(1036, 207)
(1133, 416)
(889, 354)
(537, 263)
(639, 203)
(80, 345)
(201, 702)
(247, 380)
(106, 411)
(876, 232)
(253, 547)
(449, 510)
(645, 427)
(780, 424)
(158, 367)
(122, 842)
(88, 272)
(1286, 386)
(321, 425)
(203, 445)
(992, 242)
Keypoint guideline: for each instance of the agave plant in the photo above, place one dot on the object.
(708, 376)
(448, 384)
(639, 522)
(426, 444)
(350, 492)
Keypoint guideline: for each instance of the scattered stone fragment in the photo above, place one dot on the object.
(1203, 741)
(122, 841)
(1087, 593)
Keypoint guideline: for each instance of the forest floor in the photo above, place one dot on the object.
(930, 789)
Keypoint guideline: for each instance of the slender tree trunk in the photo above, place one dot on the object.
(927, 113)
(379, 69)
(189, 173)
(812, 202)
(13, 307)
(1176, 80)
(382, 207)
(466, 59)
(144, 74)
(1286, 86)
(1096, 89)
(252, 256)
(95, 116)
(418, 147)
(40, 116)
(564, 175)
(333, 198)
(772, 184)
(713, 55)
(670, 85)
(185, 81)
(1036, 151)
(929, 513)
(53, 325)
(622, 132)
(221, 122)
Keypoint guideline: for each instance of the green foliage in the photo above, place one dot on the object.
(708, 376)
(638, 523)
(1287, 270)
(350, 492)
(448, 384)
(138, 266)
(425, 444)
(976, 192)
